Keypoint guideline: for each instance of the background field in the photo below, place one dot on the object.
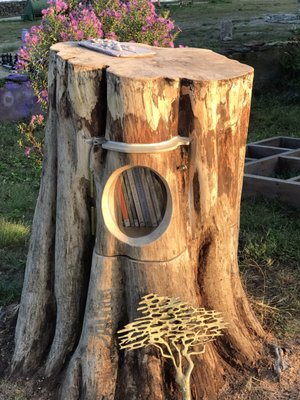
(200, 23)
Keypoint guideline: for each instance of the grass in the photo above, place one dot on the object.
(269, 260)
(19, 182)
(279, 232)
(10, 33)
(274, 114)
(19, 177)
(12, 234)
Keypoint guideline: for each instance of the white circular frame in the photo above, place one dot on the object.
(108, 211)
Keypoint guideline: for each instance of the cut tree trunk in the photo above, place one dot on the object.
(79, 291)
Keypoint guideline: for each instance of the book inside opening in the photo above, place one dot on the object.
(140, 201)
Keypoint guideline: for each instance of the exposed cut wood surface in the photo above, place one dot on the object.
(188, 63)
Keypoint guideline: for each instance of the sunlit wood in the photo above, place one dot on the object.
(177, 329)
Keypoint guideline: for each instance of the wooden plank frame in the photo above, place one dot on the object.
(265, 161)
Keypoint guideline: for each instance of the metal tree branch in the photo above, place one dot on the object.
(173, 327)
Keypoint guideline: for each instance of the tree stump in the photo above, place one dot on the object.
(79, 290)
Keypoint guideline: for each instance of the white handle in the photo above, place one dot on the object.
(160, 147)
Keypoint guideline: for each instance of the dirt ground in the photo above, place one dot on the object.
(17, 389)
(266, 385)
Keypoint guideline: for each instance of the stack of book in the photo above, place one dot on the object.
(141, 198)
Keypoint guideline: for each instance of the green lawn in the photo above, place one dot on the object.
(269, 255)
(272, 114)
(19, 182)
(10, 34)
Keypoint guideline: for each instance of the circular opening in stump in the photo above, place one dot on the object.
(136, 205)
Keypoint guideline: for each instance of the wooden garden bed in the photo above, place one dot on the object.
(272, 169)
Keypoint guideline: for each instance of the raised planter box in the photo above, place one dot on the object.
(272, 169)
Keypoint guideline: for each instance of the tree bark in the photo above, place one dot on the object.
(92, 288)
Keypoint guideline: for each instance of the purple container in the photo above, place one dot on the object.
(17, 101)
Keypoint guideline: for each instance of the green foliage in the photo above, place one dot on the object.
(33, 138)
(273, 113)
(291, 61)
(135, 20)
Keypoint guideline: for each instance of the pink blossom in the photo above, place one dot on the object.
(34, 39)
(61, 18)
(79, 35)
(112, 36)
(27, 151)
(169, 25)
(60, 6)
(44, 94)
(48, 11)
(23, 53)
(64, 36)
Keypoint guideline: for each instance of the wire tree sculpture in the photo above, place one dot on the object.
(177, 329)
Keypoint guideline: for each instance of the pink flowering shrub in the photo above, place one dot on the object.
(32, 138)
(123, 20)
(60, 23)
(137, 21)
